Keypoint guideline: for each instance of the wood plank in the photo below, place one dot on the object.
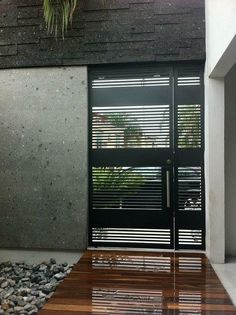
(123, 282)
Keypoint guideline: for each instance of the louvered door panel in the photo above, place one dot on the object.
(189, 189)
(127, 188)
(131, 127)
(189, 128)
(131, 139)
(147, 157)
(190, 214)
(189, 159)
(188, 85)
(133, 86)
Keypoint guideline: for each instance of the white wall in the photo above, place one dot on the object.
(221, 29)
(230, 161)
(221, 55)
(214, 169)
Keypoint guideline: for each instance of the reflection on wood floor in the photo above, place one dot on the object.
(115, 282)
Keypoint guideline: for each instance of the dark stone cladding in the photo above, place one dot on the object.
(104, 31)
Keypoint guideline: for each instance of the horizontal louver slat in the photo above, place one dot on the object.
(188, 77)
(105, 83)
(135, 236)
(190, 237)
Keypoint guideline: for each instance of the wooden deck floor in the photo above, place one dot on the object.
(114, 282)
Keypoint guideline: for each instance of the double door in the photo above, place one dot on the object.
(147, 157)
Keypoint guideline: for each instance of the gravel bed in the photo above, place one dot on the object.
(24, 289)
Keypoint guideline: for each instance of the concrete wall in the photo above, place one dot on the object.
(230, 161)
(43, 158)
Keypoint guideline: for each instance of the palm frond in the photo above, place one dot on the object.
(58, 14)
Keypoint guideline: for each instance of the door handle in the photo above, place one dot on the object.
(168, 189)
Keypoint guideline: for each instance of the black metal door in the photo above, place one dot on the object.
(142, 164)
(189, 202)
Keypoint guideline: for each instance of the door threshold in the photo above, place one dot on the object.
(145, 249)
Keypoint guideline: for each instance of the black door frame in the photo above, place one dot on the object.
(182, 220)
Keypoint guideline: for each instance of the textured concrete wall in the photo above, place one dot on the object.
(43, 158)
(230, 165)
